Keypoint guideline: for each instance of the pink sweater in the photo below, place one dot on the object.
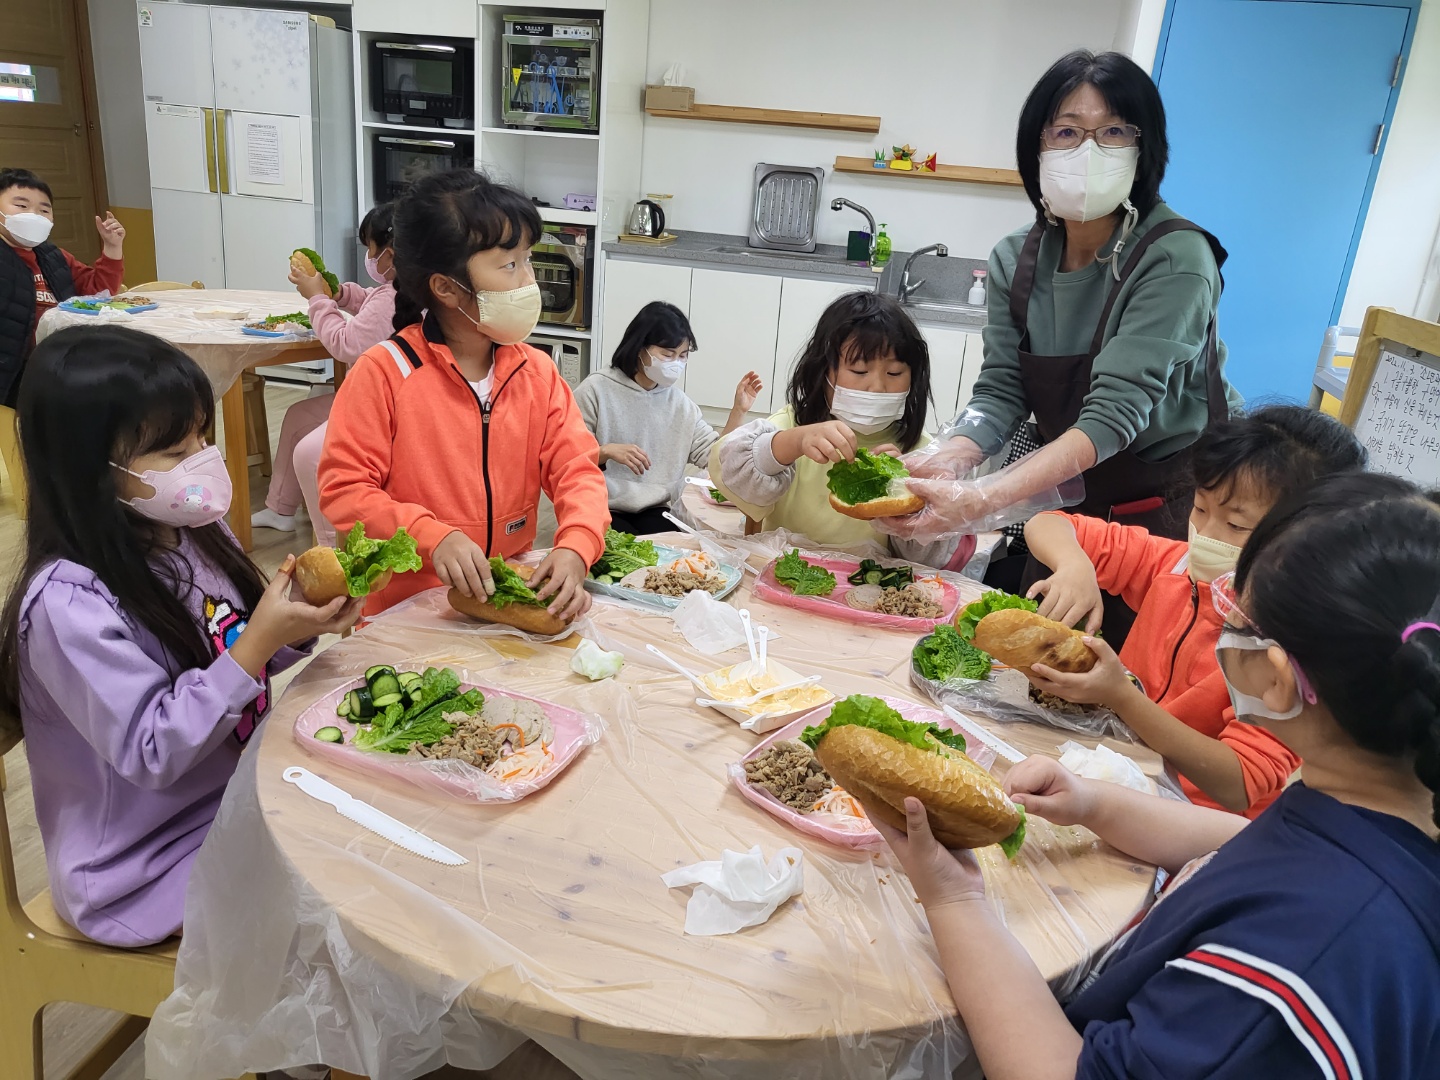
(372, 312)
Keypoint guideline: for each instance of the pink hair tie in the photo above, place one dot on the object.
(1415, 627)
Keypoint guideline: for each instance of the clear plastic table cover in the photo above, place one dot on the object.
(309, 939)
(217, 345)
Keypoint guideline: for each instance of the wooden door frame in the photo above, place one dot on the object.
(80, 19)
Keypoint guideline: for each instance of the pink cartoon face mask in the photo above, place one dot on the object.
(195, 492)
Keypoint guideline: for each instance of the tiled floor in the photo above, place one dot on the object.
(71, 1030)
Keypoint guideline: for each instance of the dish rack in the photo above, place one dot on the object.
(787, 199)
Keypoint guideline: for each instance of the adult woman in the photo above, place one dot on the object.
(1101, 320)
(648, 430)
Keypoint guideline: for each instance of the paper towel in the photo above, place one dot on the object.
(738, 890)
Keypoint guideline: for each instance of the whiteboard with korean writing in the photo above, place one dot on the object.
(1399, 422)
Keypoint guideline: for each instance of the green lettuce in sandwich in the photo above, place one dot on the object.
(871, 486)
(363, 566)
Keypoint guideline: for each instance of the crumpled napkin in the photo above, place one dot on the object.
(709, 625)
(738, 890)
(1102, 763)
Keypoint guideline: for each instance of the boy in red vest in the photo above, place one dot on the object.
(36, 275)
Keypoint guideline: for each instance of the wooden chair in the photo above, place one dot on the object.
(14, 461)
(165, 286)
(43, 960)
(257, 424)
(752, 526)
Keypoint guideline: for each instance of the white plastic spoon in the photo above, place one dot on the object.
(677, 666)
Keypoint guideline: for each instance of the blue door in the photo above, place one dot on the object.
(1274, 109)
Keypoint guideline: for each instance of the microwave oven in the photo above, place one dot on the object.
(399, 160)
(550, 75)
(564, 262)
(571, 356)
(423, 82)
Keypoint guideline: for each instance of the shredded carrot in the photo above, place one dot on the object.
(519, 735)
(838, 801)
(525, 764)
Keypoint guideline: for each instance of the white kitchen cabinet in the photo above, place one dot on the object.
(947, 370)
(629, 286)
(802, 301)
(734, 316)
(974, 357)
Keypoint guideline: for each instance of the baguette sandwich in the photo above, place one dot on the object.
(871, 486)
(881, 758)
(514, 603)
(363, 566)
(307, 262)
(1021, 639)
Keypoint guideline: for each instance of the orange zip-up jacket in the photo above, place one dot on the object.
(410, 444)
(1171, 649)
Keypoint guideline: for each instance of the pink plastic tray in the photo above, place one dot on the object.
(864, 835)
(573, 732)
(834, 606)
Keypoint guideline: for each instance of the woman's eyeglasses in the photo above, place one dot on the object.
(1068, 136)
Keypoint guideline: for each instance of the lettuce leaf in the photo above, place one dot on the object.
(945, 654)
(863, 711)
(319, 264)
(1011, 844)
(510, 587)
(624, 555)
(867, 477)
(971, 615)
(398, 728)
(363, 559)
(801, 578)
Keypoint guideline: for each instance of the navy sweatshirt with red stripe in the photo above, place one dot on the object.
(1308, 946)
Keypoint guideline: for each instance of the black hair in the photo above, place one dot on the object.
(378, 226)
(90, 396)
(873, 325)
(1131, 95)
(23, 178)
(656, 324)
(442, 220)
(1272, 451)
(1335, 574)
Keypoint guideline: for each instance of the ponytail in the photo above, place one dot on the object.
(1345, 576)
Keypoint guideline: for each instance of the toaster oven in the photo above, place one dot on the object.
(564, 262)
(400, 160)
(571, 356)
(423, 82)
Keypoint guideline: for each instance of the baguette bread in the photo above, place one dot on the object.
(321, 579)
(966, 806)
(897, 502)
(1022, 639)
(526, 617)
(302, 264)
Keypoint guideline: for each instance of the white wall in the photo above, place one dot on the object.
(1401, 237)
(115, 35)
(943, 75)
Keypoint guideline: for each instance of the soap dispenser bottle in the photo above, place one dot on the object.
(976, 297)
(882, 250)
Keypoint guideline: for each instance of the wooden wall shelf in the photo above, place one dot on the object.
(740, 114)
(965, 174)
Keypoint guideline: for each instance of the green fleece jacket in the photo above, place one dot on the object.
(1147, 385)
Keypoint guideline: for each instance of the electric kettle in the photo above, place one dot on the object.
(647, 219)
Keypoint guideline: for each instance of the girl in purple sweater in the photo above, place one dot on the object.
(139, 640)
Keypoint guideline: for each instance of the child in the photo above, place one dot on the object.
(863, 380)
(1305, 945)
(139, 640)
(36, 275)
(648, 430)
(453, 427)
(302, 435)
(1241, 468)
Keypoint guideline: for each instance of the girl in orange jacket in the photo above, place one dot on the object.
(1181, 708)
(453, 426)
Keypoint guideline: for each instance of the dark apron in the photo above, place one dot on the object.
(1123, 488)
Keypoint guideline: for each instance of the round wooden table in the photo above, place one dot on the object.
(560, 928)
(223, 352)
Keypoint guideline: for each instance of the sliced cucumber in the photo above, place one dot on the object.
(362, 707)
(378, 669)
(343, 709)
(873, 577)
(384, 684)
(330, 734)
(384, 701)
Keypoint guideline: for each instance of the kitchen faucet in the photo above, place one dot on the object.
(840, 204)
(906, 289)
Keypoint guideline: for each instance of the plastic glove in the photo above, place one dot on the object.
(974, 506)
(945, 459)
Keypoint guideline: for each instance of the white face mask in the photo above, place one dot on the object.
(663, 370)
(1247, 707)
(507, 317)
(866, 412)
(1087, 181)
(28, 230)
(1210, 558)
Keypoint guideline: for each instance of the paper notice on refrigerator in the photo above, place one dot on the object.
(263, 161)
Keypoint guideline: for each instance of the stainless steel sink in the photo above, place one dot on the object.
(766, 253)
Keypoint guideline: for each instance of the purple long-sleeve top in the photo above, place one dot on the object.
(127, 760)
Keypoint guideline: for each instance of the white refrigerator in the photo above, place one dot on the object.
(249, 117)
